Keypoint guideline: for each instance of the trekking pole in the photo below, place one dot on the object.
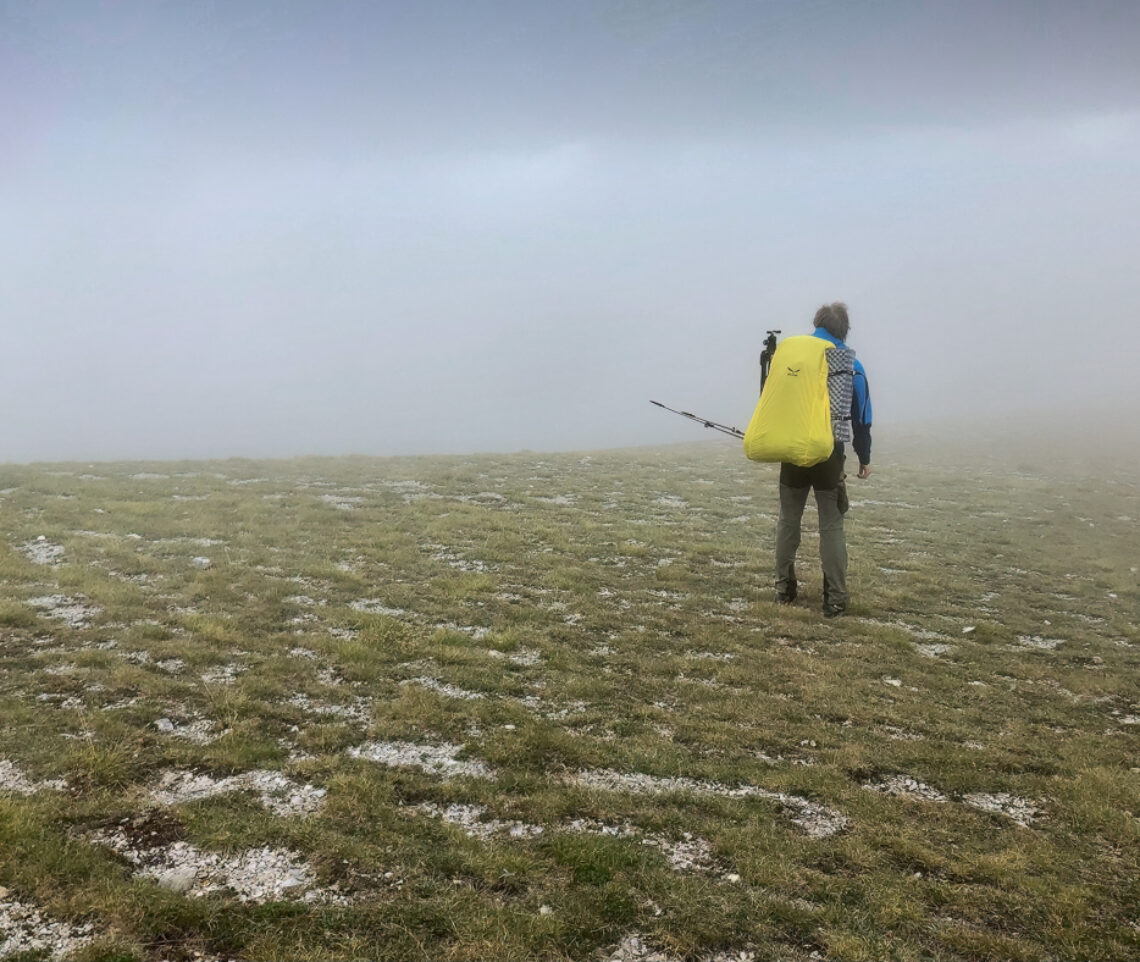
(716, 426)
(766, 357)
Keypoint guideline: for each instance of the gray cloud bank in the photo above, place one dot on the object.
(250, 229)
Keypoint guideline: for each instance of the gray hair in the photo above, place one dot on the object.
(833, 319)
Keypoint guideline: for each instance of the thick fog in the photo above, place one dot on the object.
(387, 227)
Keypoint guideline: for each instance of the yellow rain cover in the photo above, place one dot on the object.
(792, 422)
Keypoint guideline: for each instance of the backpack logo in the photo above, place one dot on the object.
(793, 372)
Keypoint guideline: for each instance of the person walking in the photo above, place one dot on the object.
(827, 480)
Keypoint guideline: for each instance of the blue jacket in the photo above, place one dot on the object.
(860, 404)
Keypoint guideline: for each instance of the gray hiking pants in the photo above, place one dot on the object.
(825, 480)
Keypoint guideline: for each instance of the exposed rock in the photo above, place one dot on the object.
(24, 929)
(816, 820)
(43, 552)
(433, 759)
(278, 793)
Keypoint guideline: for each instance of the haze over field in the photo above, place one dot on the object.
(254, 229)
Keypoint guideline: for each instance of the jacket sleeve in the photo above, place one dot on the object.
(861, 415)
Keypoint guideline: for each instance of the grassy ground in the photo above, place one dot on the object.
(529, 706)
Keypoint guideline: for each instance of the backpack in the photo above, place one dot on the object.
(805, 406)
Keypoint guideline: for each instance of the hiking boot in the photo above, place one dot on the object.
(785, 599)
(833, 611)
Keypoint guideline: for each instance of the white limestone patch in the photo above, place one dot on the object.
(687, 854)
(1019, 810)
(275, 791)
(201, 563)
(374, 606)
(433, 759)
(256, 875)
(901, 734)
(634, 948)
(903, 786)
(551, 712)
(222, 674)
(74, 612)
(671, 501)
(915, 631)
(457, 561)
(199, 731)
(13, 781)
(816, 820)
(482, 497)
(342, 502)
(411, 490)
(476, 632)
(474, 823)
(359, 710)
(932, 650)
(1039, 643)
(524, 657)
(23, 928)
(43, 552)
(443, 688)
(304, 601)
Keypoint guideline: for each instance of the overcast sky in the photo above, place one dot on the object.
(253, 228)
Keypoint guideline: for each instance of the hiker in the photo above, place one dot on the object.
(827, 479)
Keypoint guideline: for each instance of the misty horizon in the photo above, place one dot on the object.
(446, 228)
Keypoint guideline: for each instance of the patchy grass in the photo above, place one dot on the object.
(543, 707)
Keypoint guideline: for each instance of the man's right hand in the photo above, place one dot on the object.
(864, 471)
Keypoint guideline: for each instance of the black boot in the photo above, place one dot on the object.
(787, 594)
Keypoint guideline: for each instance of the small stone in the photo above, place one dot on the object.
(201, 563)
(732, 878)
(545, 910)
(178, 879)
